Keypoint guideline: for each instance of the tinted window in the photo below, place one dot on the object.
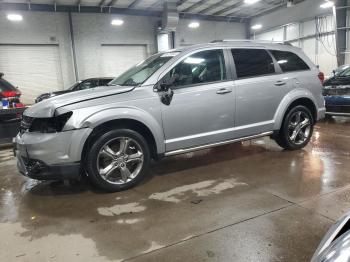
(252, 62)
(6, 86)
(289, 61)
(202, 67)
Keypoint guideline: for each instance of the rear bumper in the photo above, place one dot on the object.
(321, 113)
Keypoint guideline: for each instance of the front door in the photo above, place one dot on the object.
(202, 108)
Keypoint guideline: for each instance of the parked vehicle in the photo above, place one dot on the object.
(335, 245)
(173, 102)
(337, 92)
(80, 85)
(11, 110)
(10, 104)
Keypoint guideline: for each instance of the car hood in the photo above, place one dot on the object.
(47, 108)
(335, 81)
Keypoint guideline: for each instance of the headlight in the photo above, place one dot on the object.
(50, 125)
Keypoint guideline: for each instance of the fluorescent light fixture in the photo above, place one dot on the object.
(251, 2)
(117, 22)
(257, 27)
(193, 25)
(283, 61)
(14, 17)
(327, 4)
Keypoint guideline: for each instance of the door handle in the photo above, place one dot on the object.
(280, 83)
(222, 91)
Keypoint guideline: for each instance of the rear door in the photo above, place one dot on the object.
(260, 86)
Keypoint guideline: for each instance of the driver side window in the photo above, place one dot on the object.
(199, 68)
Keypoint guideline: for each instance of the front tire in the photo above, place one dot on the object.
(117, 160)
(297, 129)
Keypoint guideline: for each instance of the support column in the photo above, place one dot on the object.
(340, 34)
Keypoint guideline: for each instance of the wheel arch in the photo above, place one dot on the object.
(127, 123)
(301, 97)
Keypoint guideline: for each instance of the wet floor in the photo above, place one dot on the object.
(247, 201)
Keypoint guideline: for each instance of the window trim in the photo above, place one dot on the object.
(288, 72)
(229, 75)
(254, 48)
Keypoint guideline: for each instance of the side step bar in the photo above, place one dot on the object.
(186, 150)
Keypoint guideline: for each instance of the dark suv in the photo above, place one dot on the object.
(80, 85)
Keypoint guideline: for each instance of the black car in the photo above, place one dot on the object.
(80, 85)
(337, 92)
(11, 110)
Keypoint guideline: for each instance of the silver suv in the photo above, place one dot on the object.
(173, 102)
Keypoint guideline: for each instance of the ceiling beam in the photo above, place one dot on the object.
(220, 12)
(214, 6)
(269, 10)
(134, 3)
(194, 6)
(112, 3)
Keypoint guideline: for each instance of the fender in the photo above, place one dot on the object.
(131, 113)
(287, 101)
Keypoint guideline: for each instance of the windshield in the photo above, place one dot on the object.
(139, 73)
(74, 85)
(343, 71)
(6, 86)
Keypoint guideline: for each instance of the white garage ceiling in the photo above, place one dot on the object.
(223, 8)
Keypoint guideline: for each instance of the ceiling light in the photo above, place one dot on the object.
(193, 25)
(14, 17)
(256, 27)
(250, 2)
(327, 4)
(117, 22)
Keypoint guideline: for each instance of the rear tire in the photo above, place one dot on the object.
(117, 160)
(296, 130)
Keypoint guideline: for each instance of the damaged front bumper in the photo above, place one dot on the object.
(51, 156)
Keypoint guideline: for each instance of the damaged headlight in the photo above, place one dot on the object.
(50, 125)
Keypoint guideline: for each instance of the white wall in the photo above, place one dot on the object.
(298, 25)
(93, 30)
(41, 28)
(207, 32)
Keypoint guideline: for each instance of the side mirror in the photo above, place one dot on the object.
(166, 84)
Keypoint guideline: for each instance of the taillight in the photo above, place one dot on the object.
(10, 93)
(321, 77)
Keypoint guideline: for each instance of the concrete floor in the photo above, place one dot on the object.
(242, 202)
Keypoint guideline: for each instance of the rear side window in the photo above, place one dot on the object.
(289, 61)
(252, 62)
(6, 86)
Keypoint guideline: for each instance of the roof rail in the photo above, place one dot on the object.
(251, 41)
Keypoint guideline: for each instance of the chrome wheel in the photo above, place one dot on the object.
(299, 127)
(120, 160)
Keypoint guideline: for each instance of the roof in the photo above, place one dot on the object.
(212, 8)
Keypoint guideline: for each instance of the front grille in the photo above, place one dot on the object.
(26, 123)
(336, 91)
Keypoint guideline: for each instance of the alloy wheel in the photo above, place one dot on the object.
(120, 160)
(299, 127)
